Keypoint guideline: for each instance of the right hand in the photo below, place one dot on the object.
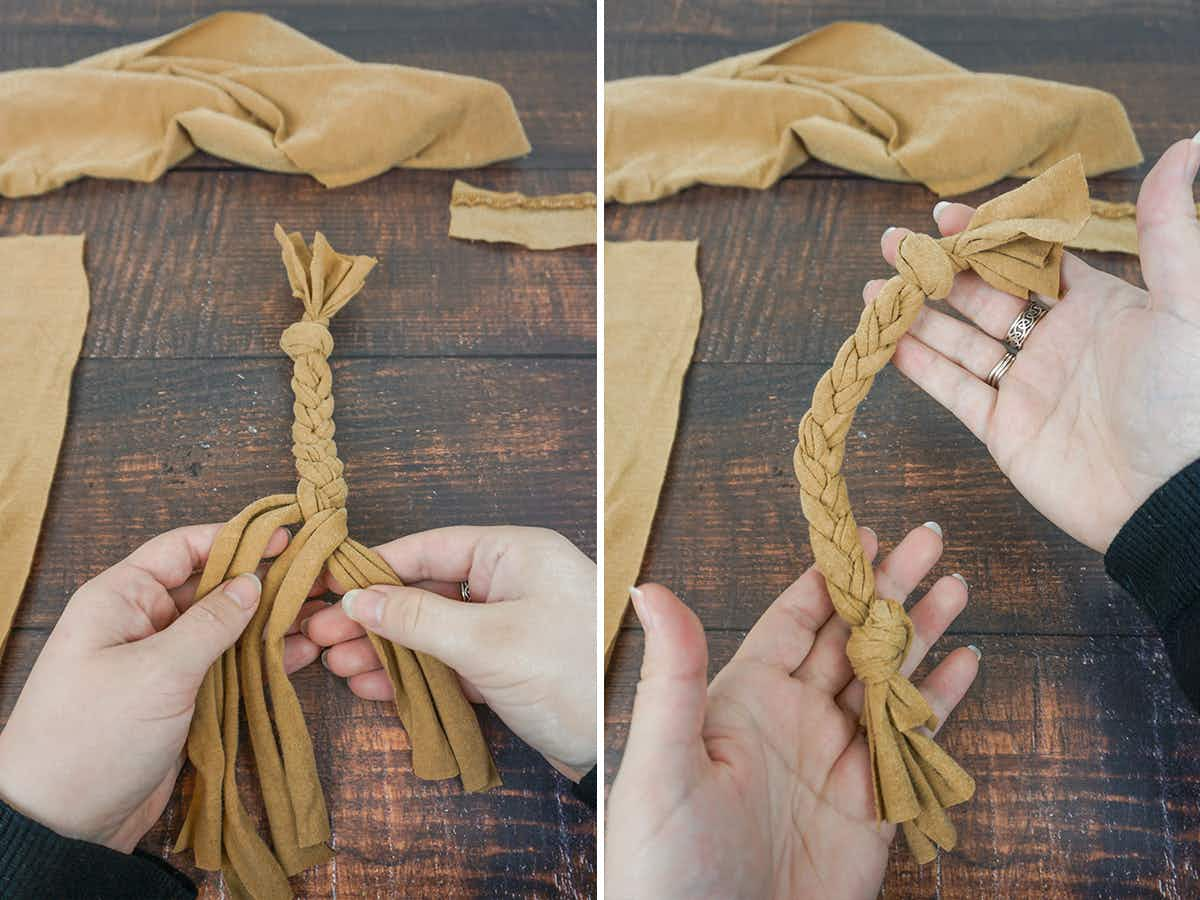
(525, 645)
(1102, 405)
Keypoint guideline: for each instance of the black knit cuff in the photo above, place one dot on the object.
(585, 790)
(35, 862)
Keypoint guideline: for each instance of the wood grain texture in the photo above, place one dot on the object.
(1082, 747)
(465, 384)
(544, 55)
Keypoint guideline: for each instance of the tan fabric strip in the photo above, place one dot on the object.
(444, 731)
(43, 314)
(549, 222)
(250, 89)
(651, 318)
(857, 96)
(1014, 243)
(1112, 228)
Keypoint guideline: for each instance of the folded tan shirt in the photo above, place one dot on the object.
(857, 96)
(250, 89)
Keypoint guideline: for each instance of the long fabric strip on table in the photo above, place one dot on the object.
(442, 727)
(857, 96)
(545, 222)
(43, 315)
(1014, 243)
(651, 317)
(250, 89)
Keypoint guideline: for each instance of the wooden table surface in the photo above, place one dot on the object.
(465, 382)
(1084, 751)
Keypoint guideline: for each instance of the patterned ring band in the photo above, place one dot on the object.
(1022, 325)
(1000, 369)
(464, 588)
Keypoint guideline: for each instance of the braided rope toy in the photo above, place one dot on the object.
(443, 729)
(1015, 243)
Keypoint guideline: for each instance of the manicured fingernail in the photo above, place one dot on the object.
(938, 208)
(245, 590)
(363, 606)
(978, 653)
(934, 527)
(304, 626)
(324, 661)
(889, 230)
(870, 529)
(1196, 138)
(960, 578)
(644, 613)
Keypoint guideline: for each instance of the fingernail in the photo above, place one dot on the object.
(939, 207)
(324, 661)
(304, 626)
(244, 590)
(978, 653)
(1196, 138)
(363, 606)
(644, 613)
(870, 529)
(934, 527)
(889, 230)
(960, 578)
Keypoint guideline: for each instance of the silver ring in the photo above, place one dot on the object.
(1022, 325)
(1000, 369)
(464, 588)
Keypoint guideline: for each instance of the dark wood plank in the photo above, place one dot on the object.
(1075, 796)
(187, 266)
(545, 55)
(426, 443)
(397, 836)
(1143, 52)
(783, 270)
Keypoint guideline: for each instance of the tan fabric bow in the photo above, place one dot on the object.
(250, 89)
(1014, 243)
(443, 730)
(857, 96)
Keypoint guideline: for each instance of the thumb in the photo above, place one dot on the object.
(668, 712)
(210, 626)
(422, 621)
(1168, 233)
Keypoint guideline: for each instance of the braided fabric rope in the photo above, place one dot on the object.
(443, 730)
(1014, 242)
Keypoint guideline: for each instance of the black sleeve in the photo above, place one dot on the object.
(37, 863)
(585, 790)
(1156, 557)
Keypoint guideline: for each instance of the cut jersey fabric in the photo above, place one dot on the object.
(249, 89)
(43, 314)
(857, 96)
(651, 318)
(546, 222)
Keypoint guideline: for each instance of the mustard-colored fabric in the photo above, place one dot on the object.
(857, 96)
(1015, 243)
(1112, 228)
(443, 730)
(651, 318)
(546, 222)
(43, 314)
(250, 89)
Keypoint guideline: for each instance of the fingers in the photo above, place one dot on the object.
(949, 682)
(194, 641)
(931, 616)
(441, 554)
(1168, 233)
(351, 658)
(960, 342)
(173, 556)
(372, 686)
(331, 626)
(785, 633)
(298, 652)
(826, 666)
(426, 622)
(668, 711)
(968, 399)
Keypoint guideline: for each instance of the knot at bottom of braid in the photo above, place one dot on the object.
(877, 647)
(922, 261)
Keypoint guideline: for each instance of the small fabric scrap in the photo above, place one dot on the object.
(1112, 228)
(43, 315)
(857, 96)
(249, 89)
(548, 222)
(652, 310)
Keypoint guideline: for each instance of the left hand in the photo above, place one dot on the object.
(96, 740)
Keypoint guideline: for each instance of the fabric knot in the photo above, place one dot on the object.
(923, 262)
(877, 648)
(305, 337)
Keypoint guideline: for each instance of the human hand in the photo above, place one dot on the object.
(1102, 405)
(525, 645)
(96, 740)
(760, 786)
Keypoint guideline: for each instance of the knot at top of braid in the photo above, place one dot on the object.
(877, 648)
(927, 264)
